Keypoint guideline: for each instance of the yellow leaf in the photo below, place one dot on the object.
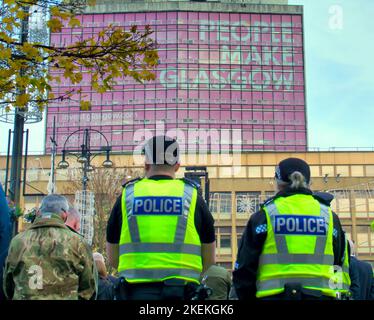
(55, 25)
(85, 105)
(5, 54)
(8, 20)
(22, 81)
(22, 100)
(5, 37)
(74, 22)
(30, 50)
(55, 12)
(22, 14)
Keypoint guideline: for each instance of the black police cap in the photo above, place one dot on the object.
(288, 166)
(161, 150)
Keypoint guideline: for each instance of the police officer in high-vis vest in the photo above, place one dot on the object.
(160, 234)
(294, 247)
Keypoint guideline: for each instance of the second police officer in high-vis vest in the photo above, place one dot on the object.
(294, 247)
(160, 235)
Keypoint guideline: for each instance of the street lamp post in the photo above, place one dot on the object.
(84, 200)
(85, 154)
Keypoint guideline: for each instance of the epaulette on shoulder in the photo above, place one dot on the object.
(323, 197)
(191, 182)
(132, 181)
(267, 201)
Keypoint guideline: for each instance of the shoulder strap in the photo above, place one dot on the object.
(132, 181)
(191, 182)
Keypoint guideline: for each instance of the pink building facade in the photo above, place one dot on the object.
(235, 76)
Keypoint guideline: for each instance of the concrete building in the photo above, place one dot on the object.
(232, 68)
(237, 190)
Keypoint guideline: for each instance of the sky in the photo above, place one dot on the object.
(339, 50)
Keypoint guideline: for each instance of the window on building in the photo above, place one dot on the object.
(239, 171)
(342, 170)
(212, 171)
(254, 172)
(370, 170)
(371, 207)
(225, 172)
(363, 239)
(357, 171)
(328, 170)
(268, 171)
(341, 203)
(223, 230)
(220, 203)
(314, 171)
(361, 197)
(225, 241)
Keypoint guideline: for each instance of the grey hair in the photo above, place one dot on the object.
(54, 203)
(297, 180)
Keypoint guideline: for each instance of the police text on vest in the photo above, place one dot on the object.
(157, 206)
(299, 225)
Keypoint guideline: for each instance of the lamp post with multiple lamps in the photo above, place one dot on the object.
(84, 200)
(85, 154)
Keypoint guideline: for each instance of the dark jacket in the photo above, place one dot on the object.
(363, 282)
(5, 236)
(252, 242)
(105, 289)
(355, 280)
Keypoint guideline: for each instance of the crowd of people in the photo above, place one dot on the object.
(161, 245)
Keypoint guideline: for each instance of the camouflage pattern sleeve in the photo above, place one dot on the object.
(8, 283)
(11, 264)
(88, 278)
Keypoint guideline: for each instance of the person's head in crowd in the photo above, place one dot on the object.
(54, 204)
(100, 264)
(73, 219)
(161, 156)
(292, 173)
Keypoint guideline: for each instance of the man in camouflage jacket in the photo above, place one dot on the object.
(48, 261)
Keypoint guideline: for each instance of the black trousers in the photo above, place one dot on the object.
(145, 292)
(283, 296)
(155, 291)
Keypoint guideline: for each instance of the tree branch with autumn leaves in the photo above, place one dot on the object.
(28, 70)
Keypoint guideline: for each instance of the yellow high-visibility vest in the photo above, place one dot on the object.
(298, 247)
(159, 240)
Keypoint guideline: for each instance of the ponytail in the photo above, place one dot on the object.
(297, 180)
